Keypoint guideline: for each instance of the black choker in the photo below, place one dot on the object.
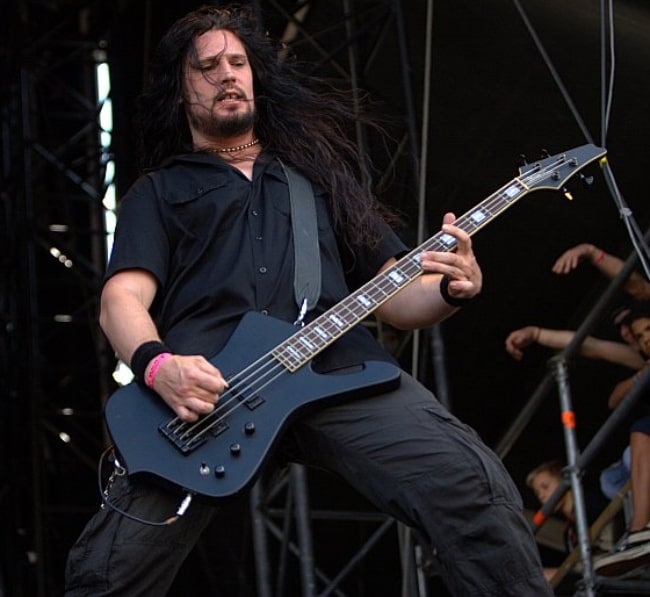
(235, 148)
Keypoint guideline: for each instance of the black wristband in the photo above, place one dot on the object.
(143, 354)
(451, 300)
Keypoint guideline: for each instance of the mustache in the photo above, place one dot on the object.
(230, 92)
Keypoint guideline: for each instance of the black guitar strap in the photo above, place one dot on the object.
(307, 274)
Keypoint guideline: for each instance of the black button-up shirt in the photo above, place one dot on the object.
(221, 245)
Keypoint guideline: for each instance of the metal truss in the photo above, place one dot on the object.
(54, 361)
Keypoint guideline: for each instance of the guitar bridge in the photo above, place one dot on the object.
(189, 436)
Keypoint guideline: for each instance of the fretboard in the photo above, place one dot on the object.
(311, 339)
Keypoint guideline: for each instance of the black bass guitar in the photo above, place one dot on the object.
(267, 365)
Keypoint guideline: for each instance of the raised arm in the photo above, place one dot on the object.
(595, 348)
(608, 265)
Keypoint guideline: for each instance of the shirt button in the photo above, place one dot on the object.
(265, 312)
(262, 270)
(258, 238)
(255, 212)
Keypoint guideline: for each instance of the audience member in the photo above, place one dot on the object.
(633, 551)
(544, 480)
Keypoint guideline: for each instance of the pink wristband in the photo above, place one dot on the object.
(154, 366)
(600, 258)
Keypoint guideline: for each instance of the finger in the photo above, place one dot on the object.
(185, 414)
(448, 218)
(463, 240)
(191, 410)
(207, 380)
(201, 406)
(562, 267)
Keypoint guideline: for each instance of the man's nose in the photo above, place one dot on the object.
(226, 73)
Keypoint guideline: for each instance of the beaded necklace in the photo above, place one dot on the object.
(235, 148)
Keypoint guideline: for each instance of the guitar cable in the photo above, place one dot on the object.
(119, 471)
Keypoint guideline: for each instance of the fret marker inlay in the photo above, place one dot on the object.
(448, 240)
(512, 191)
(478, 216)
(396, 276)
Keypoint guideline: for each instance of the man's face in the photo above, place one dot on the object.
(641, 330)
(218, 92)
(544, 485)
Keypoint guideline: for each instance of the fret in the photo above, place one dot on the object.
(345, 313)
(412, 261)
(352, 311)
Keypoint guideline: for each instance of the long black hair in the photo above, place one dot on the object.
(306, 122)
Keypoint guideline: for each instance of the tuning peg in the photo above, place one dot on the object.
(545, 154)
(522, 161)
(587, 181)
(567, 193)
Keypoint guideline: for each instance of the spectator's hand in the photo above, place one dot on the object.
(519, 339)
(569, 260)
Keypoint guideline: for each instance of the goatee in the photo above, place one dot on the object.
(235, 124)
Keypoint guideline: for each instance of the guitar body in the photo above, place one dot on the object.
(230, 456)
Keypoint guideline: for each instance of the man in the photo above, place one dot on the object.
(205, 237)
(633, 551)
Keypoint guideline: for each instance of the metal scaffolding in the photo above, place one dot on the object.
(54, 361)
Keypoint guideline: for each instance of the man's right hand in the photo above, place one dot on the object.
(190, 385)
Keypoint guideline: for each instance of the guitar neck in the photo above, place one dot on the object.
(308, 341)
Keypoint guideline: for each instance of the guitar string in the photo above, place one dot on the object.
(277, 369)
